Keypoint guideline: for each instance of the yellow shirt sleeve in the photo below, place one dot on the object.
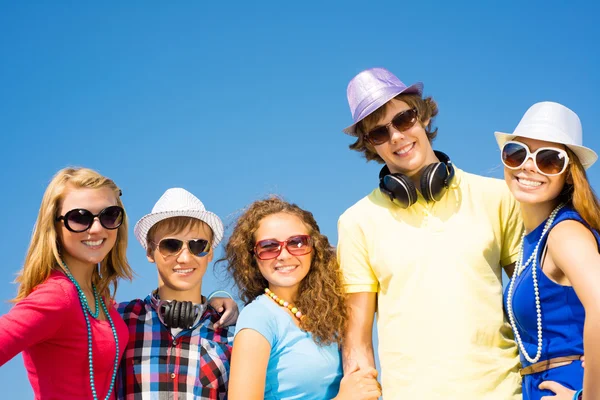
(353, 257)
(512, 228)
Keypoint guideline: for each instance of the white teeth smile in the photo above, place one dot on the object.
(527, 182)
(405, 149)
(184, 271)
(94, 243)
(285, 268)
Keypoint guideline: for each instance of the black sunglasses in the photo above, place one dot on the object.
(171, 247)
(80, 219)
(402, 121)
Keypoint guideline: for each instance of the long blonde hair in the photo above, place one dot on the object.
(43, 255)
(580, 194)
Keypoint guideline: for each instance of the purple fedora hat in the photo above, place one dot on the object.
(371, 89)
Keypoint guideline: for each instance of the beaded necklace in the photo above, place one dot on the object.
(284, 303)
(519, 268)
(86, 310)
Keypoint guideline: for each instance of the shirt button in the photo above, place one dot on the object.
(174, 342)
(173, 375)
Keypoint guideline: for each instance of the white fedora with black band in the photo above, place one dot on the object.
(178, 202)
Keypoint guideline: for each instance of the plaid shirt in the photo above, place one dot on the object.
(192, 365)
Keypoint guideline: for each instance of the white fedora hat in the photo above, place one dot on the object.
(552, 122)
(177, 202)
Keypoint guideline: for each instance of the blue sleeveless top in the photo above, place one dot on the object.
(563, 316)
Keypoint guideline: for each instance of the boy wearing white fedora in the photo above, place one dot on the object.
(178, 345)
(552, 301)
(425, 250)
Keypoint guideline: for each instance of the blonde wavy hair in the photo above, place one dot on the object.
(579, 193)
(320, 296)
(43, 255)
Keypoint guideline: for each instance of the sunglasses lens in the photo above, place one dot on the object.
(78, 220)
(550, 161)
(299, 245)
(405, 120)
(111, 217)
(378, 136)
(199, 247)
(267, 249)
(513, 155)
(169, 247)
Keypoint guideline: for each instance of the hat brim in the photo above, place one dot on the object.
(416, 88)
(586, 156)
(142, 227)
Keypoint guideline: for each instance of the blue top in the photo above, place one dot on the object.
(563, 316)
(298, 368)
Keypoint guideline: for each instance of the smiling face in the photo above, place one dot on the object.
(87, 248)
(528, 185)
(409, 151)
(180, 275)
(285, 272)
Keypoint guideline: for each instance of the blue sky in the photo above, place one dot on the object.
(239, 100)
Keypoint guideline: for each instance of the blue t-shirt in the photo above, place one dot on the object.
(298, 368)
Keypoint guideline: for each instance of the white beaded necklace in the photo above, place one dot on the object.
(520, 267)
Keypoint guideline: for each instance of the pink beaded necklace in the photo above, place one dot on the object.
(284, 303)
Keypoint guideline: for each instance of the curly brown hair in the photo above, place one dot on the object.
(321, 295)
(426, 109)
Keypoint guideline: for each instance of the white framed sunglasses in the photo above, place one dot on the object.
(549, 161)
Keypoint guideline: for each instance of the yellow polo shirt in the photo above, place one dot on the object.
(436, 268)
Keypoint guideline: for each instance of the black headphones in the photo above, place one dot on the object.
(177, 314)
(435, 180)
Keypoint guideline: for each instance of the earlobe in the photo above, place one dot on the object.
(150, 255)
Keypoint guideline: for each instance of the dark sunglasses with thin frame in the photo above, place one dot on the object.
(172, 247)
(402, 121)
(80, 220)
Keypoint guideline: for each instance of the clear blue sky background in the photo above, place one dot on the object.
(237, 100)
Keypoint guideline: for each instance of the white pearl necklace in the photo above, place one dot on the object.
(520, 267)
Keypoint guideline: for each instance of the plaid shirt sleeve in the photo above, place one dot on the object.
(192, 365)
(216, 353)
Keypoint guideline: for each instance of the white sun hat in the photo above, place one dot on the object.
(552, 122)
(178, 202)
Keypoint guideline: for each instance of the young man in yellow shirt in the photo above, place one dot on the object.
(426, 250)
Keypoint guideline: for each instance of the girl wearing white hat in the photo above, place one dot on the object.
(64, 322)
(552, 300)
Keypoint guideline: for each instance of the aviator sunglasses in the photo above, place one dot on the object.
(171, 247)
(549, 161)
(402, 121)
(269, 249)
(80, 219)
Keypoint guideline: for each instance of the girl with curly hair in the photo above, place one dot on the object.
(288, 335)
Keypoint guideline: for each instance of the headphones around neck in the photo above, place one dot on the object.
(434, 183)
(177, 314)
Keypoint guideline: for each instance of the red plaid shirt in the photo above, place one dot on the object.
(192, 365)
